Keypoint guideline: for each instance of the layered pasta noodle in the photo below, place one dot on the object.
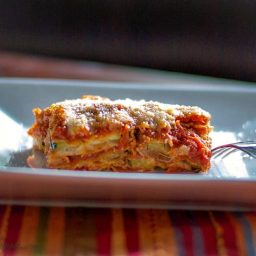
(96, 133)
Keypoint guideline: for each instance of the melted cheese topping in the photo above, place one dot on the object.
(101, 113)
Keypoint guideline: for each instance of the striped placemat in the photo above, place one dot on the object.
(101, 231)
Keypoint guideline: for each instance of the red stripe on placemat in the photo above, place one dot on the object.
(131, 229)
(103, 221)
(180, 221)
(2, 211)
(14, 225)
(208, 231)
(228, 233)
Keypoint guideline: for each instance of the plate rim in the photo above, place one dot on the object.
(229, 85)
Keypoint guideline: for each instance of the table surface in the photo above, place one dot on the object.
(31, 230)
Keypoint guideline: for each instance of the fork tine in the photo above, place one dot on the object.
(250, 151)
(248, 147)
(222, 152)
(253, 153)
(228, 152)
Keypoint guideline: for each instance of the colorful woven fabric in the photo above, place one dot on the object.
(91, 231)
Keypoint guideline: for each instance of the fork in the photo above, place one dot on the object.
(248, 147)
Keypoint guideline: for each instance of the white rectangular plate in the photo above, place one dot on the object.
(230, 184)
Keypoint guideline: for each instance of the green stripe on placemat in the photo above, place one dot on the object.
(79, 231)
(42, 230)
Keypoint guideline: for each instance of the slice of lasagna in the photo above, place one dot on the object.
(95, 133)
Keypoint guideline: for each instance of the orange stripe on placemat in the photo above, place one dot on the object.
(55, 232)
(118, 246)
(103, 218)
(156, 233)
(238, 230)
(4, 223)
(28, 231)
(79, 232)
(165, 240)
(13, 230)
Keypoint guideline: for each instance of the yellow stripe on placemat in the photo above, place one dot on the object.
(55, 232)
(27, 238)
(219, 235)
(118, 245)
(145, 232)
(156, 233)
(4, 226)
(239, 234)
(164, 233)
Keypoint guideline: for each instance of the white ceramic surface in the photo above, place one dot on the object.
(230, 184)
